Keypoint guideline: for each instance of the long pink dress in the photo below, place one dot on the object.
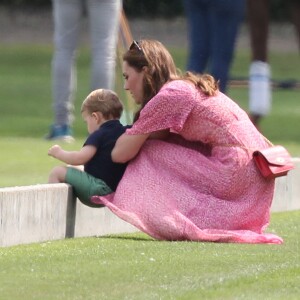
(204, 187)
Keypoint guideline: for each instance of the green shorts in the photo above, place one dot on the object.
(85, 186)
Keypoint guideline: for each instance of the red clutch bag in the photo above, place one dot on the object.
(273, 162)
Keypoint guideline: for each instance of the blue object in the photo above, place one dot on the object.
(60, 132)
(212, 30)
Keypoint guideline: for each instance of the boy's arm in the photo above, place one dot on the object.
(74, 158)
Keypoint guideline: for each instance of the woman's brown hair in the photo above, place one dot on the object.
(159, 67)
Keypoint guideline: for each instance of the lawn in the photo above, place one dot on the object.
(134, 266)
(25, 115)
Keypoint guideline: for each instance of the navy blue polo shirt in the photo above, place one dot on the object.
(101, 165)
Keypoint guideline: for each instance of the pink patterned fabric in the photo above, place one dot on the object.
(201, 184)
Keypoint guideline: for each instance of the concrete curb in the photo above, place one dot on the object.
(38, 213)
(287, 190)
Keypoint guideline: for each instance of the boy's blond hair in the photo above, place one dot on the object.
(105, 101)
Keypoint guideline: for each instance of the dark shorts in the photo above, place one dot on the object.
(85, 186)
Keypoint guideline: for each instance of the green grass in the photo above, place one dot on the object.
(25, 114)
(24, 161)
(25, 87)
(133, 266)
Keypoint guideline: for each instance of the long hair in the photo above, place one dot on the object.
(205, 82)
(160, 69)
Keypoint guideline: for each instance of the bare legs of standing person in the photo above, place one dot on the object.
(260, 95)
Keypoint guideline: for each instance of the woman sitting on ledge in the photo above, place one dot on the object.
(191, 175)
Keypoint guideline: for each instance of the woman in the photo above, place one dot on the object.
(191, 175)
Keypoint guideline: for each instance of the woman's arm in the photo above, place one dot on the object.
(74, 158)
(128, 146)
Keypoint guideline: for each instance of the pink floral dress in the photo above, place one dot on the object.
(201, 184)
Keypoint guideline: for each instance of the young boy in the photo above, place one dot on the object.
(101, 111)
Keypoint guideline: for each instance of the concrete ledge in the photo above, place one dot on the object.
(287, 190)
(38, 213)
(98, 221)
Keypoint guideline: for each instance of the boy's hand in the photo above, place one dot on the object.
(54, 151)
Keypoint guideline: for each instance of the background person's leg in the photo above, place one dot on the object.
(199, 34)
(260, 94)
(67, 15)
(226, 17)
(295, 15)
(104, 16)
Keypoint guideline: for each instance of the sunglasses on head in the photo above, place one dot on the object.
(135, 45)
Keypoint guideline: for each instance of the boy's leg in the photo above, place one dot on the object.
(57, 175)
(85, 186)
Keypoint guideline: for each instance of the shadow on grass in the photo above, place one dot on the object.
(133, 237)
